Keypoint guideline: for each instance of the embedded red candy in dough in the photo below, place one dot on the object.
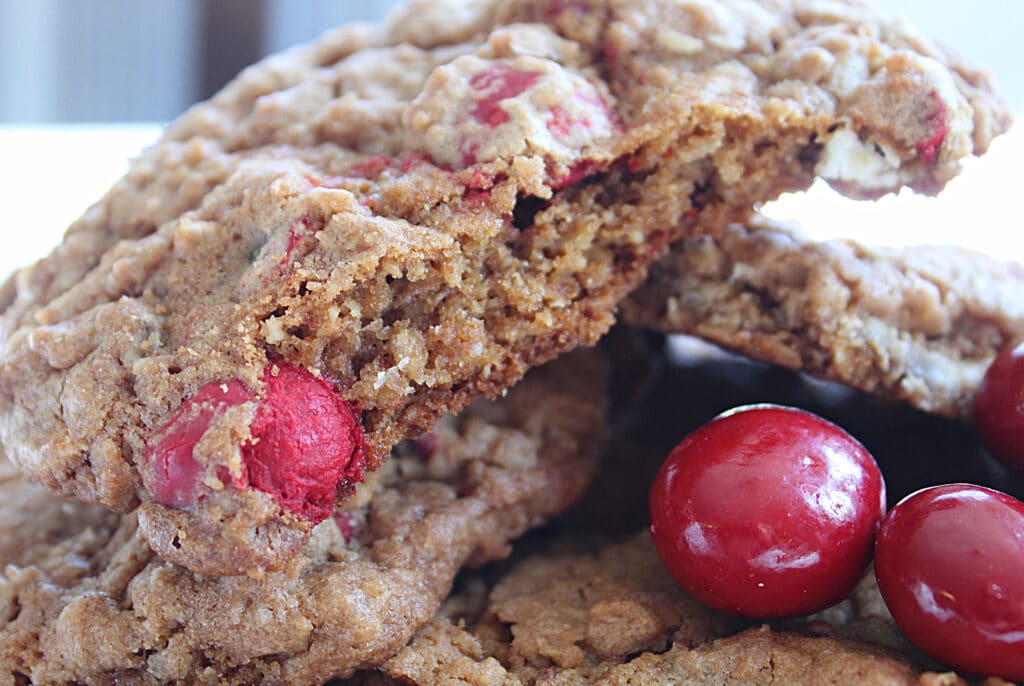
(507, 107)
(305, 441)
(175, 471)
(929, 148)
(498, 84)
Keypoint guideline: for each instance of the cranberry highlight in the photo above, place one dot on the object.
(767, 511)
(949, 563)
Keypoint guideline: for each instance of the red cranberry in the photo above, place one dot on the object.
(950, 565)
(767, 511)
(999, 407)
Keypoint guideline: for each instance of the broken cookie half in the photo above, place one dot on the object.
(358, 236)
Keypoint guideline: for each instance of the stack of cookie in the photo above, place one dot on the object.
(268, 355)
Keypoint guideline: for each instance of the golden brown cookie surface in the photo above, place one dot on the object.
(614, 616)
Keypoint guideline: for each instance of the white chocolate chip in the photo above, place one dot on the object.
(846, 158)
(677, 42)
(850, 70)
(273, 330)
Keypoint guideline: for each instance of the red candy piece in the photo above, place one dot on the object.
(501, 82)
(950, 565)
(427, 444)
(999, 407)
(305, 441)
(767, 511)
(557, 8)
(176, 473)
(371, 167)
(346, 523)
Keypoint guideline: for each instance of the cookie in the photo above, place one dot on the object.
(358, 236)
(612, 615)
(83, 599)
(918, 324)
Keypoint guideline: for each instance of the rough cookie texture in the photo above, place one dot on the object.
(84, 600)
(921, 324)
(614, 616)
(418, 212)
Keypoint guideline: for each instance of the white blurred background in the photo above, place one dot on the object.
(85, 84)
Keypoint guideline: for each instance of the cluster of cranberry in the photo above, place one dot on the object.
(769, 511)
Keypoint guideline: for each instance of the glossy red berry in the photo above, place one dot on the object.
(999, 407)
(950, 565)
(767, 511)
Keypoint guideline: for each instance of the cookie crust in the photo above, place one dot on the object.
(610, 614)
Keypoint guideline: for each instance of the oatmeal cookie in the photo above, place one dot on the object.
(83, 599)
(360, 235)
(918, 324)
(613, 615)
